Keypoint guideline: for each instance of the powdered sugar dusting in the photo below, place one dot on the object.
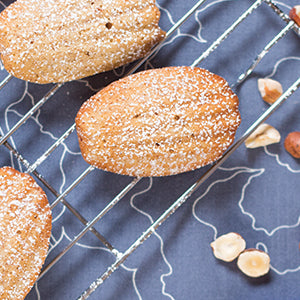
(63, 40)
(159, 122)
(25, 225)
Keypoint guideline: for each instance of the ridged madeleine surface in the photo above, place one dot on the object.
(158, 122)
(62, 40)
(25, 228)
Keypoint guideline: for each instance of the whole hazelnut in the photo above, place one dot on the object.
(227, 247)
(254, 262)
(295, 14)
(270, 89)
(292, 144)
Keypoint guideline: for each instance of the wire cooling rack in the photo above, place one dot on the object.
(77, 182)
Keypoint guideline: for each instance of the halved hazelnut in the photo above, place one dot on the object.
(292, 143)
(270, 90)
(227, 247)
(295, 14)
(264, 135)
(254, 262)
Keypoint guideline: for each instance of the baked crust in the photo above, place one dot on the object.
(25, 228)
(158, 122)
(58, 41)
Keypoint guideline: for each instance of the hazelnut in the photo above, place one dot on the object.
(227, 247)
(292, 144)
(269, 89)
(264, 135)
(295, 14)
(254, 262)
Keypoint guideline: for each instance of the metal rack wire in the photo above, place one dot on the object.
(89, 225)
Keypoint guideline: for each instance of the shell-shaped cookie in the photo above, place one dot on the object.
(63, 40)
(25, 228)
(159, 122)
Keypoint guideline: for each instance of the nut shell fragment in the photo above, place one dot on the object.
(264, 135)
(269, 89)
(292, 143)
(254, 262)
(227, 247)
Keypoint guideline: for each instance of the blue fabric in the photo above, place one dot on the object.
(255, 193)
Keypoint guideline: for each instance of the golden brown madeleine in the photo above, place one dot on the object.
(25, 228)
(56, 41)
(159, 122)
